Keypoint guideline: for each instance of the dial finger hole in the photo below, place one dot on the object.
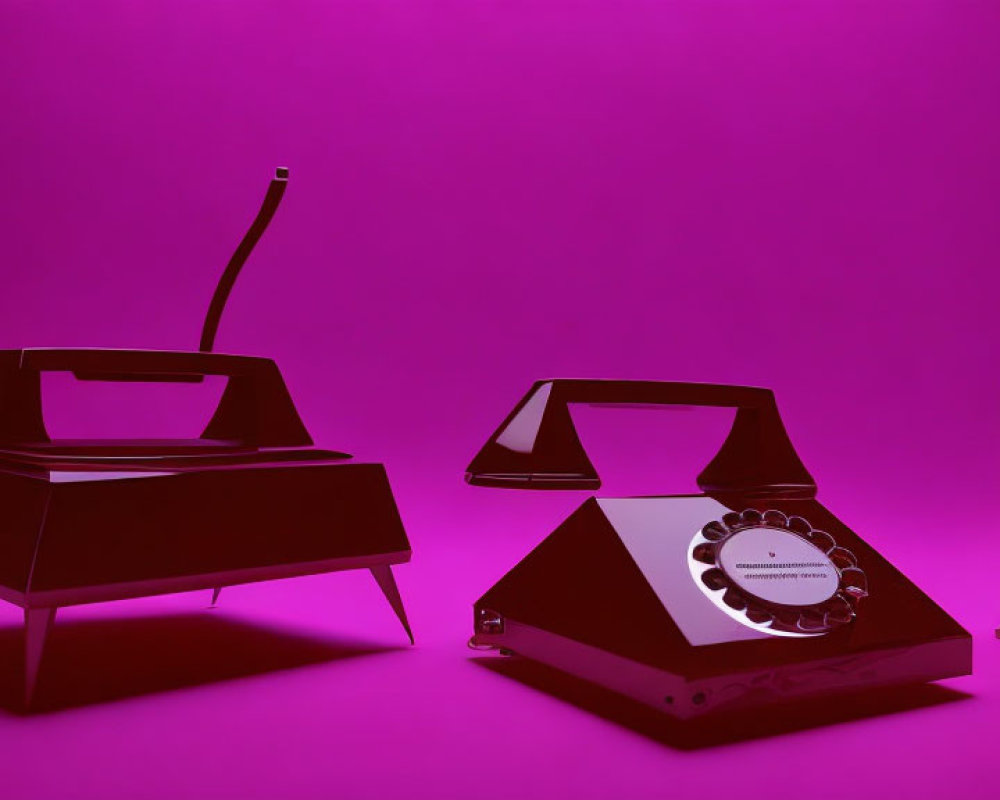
(751, 516)
(842, 558)
(776, 519)
(854, 582)
(705, 553)
(839, 611)
(799, 525)
(787, 617)
(732, 520)
(734, 599)
(759, 615)
(822, 540)
(714, 531)
(811, 621)
(715, 579)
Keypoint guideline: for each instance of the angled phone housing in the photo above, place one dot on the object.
(249, 499)
(748, 593)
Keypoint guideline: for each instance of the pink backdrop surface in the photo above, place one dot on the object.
(794, 195)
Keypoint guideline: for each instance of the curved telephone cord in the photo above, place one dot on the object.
(267, 209)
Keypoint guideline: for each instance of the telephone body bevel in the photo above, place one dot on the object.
(250, 499)
(632, 592)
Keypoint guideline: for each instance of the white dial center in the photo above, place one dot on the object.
(778, 567)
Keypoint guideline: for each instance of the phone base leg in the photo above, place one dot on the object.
(387, 583)
(37, 623)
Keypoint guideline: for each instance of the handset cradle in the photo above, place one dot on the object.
(250, 499)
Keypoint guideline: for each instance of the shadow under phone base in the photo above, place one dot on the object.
(719, 728)
(100, 661)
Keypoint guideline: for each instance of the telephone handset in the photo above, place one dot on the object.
(537, 446)
(249, 499)
(748, 592)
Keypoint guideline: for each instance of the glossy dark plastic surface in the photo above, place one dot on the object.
(537, 447)
(76, 531)
(255, 409)
(611, 595)
(247, 499)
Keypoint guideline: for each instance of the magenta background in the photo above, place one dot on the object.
(800, 196)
